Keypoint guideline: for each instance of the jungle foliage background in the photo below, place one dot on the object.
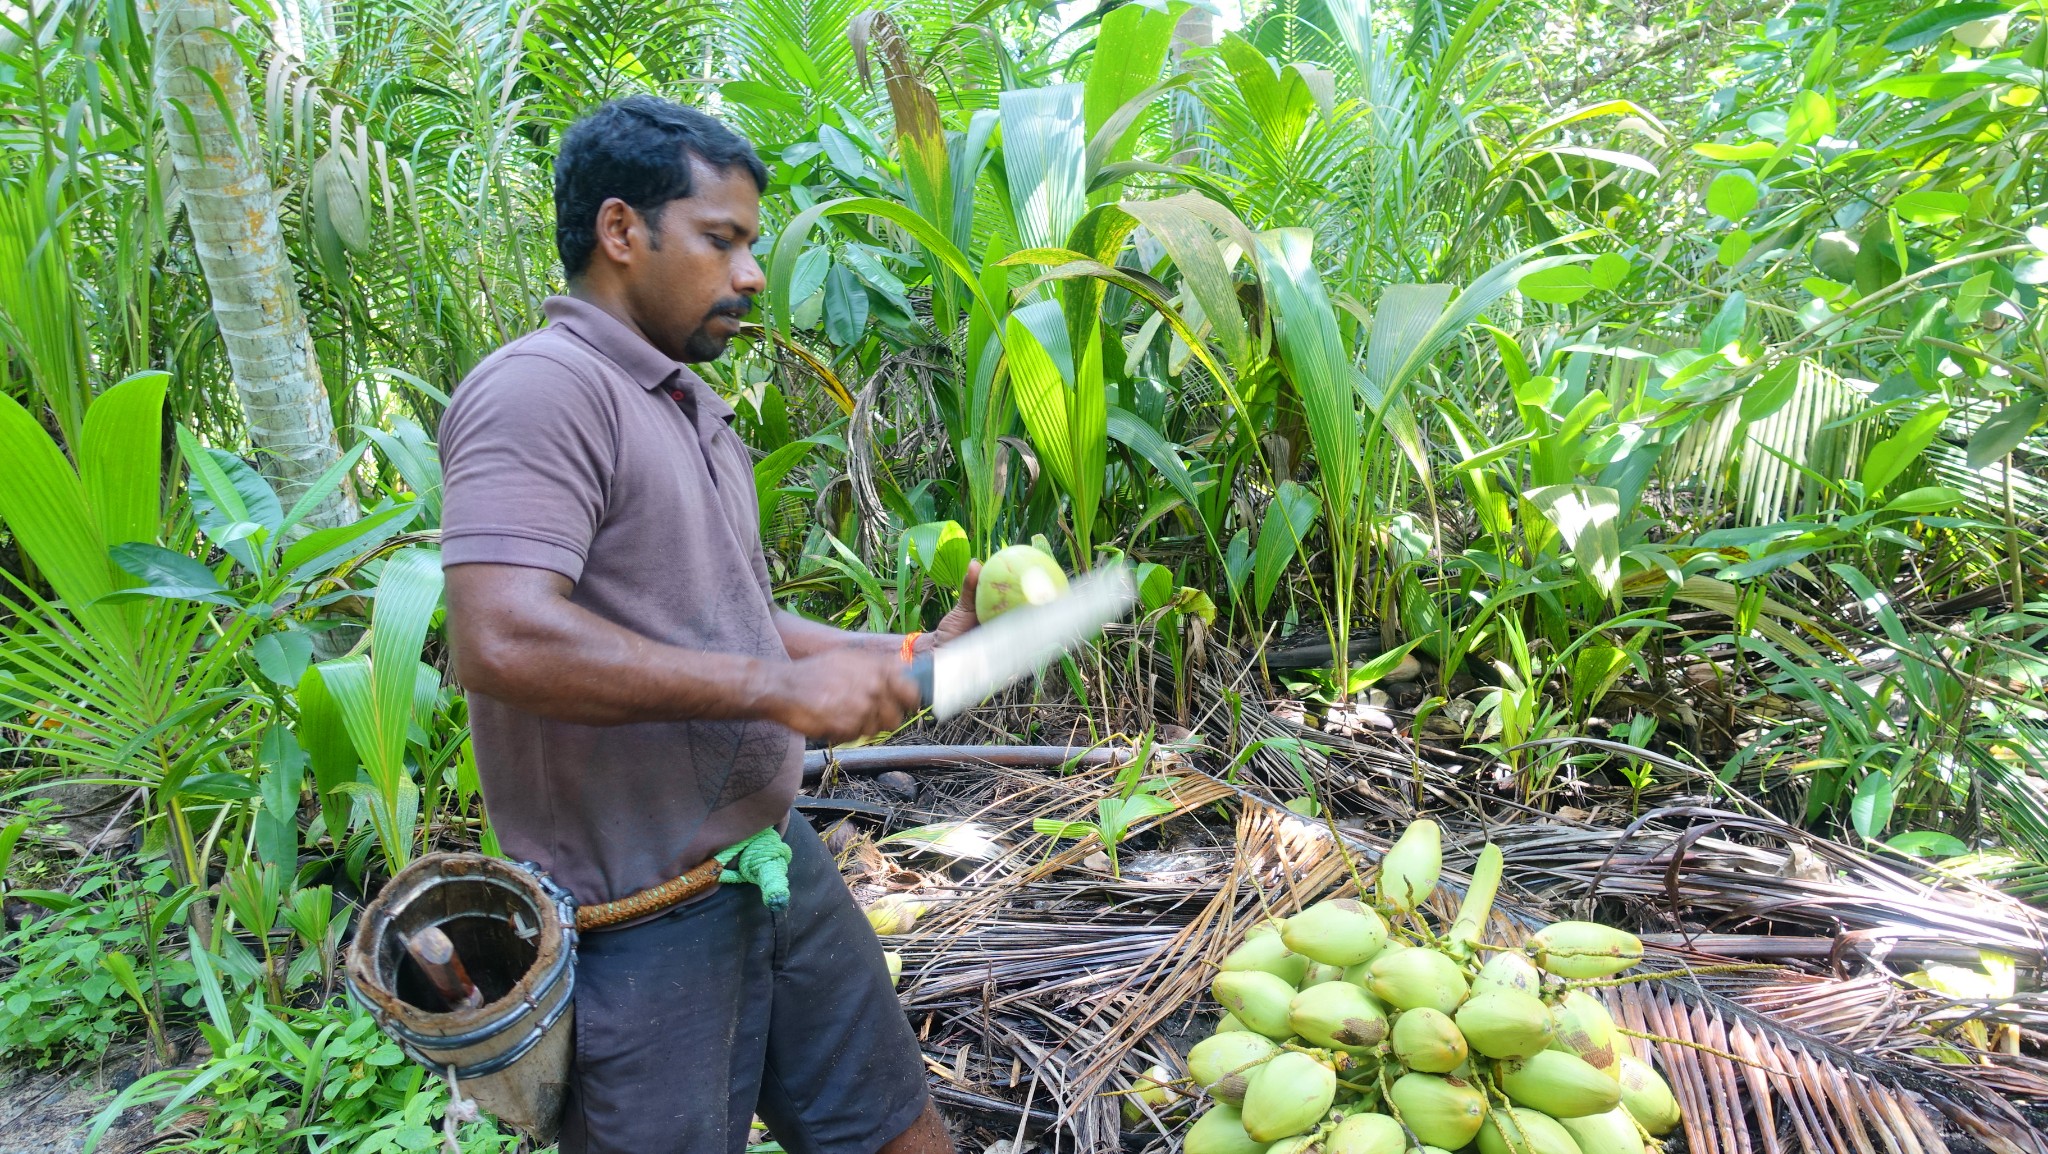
(1660, 377)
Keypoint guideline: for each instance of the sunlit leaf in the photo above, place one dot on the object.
(1560, 285)
(1870, 810)
(1926, 27)
(1889, 457)
(2002, 432)
(1732, 194)
(1588, 517)
(1931, 206)
(1812, 116)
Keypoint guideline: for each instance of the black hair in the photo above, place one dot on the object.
(637, 149)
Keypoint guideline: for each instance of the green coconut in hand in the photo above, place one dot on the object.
(1016, 576)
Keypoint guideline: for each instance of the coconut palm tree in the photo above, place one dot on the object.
(232, 209)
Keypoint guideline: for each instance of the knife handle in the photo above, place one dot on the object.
(921, 672)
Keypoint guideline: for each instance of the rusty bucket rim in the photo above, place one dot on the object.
(517, 1004)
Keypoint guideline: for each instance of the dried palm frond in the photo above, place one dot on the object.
(1042, 986)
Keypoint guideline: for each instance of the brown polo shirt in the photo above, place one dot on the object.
(582, 449)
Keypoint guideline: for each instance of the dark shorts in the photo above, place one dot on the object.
(689, 1025)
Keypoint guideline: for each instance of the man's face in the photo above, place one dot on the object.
(689, 290)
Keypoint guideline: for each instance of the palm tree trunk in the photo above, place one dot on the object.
(233, 212)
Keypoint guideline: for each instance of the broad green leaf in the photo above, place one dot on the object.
(1558, 285)
(1045, 147)
(1380, 664)
(121, 461)
(1726, 327)
(846, 307)
(1313, 351)
(2002, 432)
(1734, 247)
(1140, 35)
(1041, 371)
(1181, 224)
(942, 549)
(1289, 518)
(1926, 499)
(376, 693)
(46, 507)
(1770, 392)
(1608, 270)
(1889, 457)
(1812, 116)
(1928, 843)
(1155, 586)
(1971, 298)
(844, 154)
(1098, 236)
(1931, 206)
(283, 656)
(1935, 85)
(868, 267)
(164, 573)
(1737, 153)
(1588, 517)
(1406, 322)
(1932, 23)
(1732, 194)
(1871, 809)
(809, 274)
(1192, 602)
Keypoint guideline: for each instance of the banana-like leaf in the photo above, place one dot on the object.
(42, 318)
(1179, 225)
(121, 458)
(1289, 518)
(1312, 348)
(1130, 430)
(1045, 148)
(324, 736)
(58, 517)
(1098, 236)
(1588, 516)
(376, 694)
(1061, 398)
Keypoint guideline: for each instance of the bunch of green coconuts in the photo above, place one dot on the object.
(1343, 1036)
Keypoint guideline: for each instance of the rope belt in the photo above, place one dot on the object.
(761, 861)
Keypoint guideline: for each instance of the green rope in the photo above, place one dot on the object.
(761, 861)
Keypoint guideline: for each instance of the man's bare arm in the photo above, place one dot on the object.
(803, 637)
(518, 638)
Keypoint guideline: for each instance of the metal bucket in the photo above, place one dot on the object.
(516, 932)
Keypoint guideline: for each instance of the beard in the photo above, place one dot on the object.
(704, 344)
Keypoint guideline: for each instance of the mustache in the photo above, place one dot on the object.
(734, 307)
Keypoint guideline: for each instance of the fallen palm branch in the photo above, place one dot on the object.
(1046, 982)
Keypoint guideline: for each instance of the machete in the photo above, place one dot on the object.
(963, 672)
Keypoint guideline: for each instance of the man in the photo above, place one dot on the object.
(637, 699)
